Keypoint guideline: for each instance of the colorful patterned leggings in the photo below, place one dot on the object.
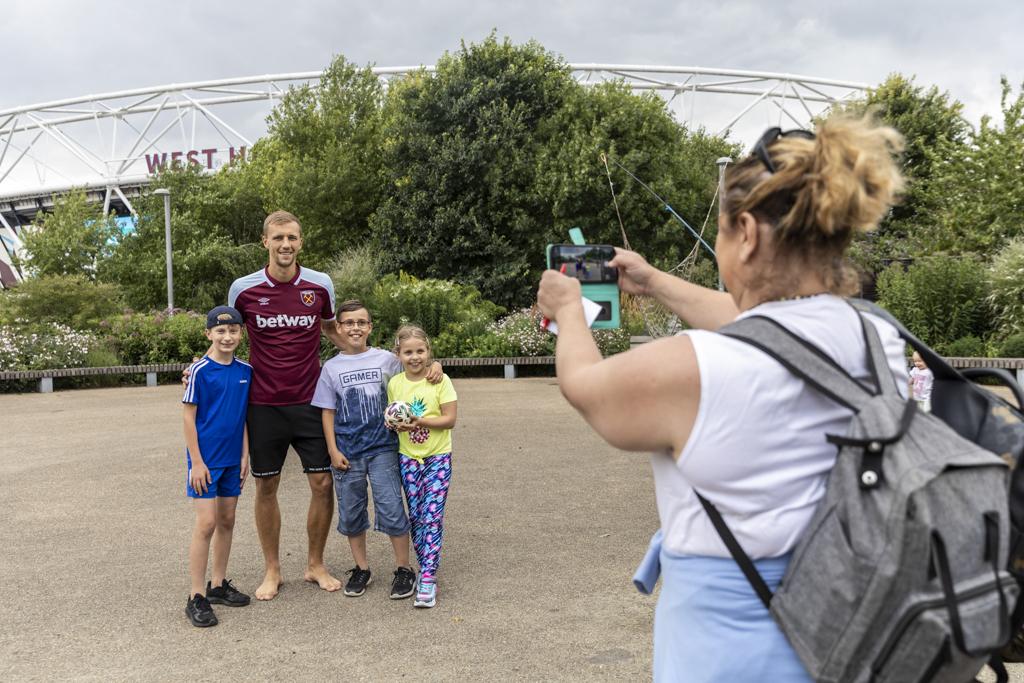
(426, 489)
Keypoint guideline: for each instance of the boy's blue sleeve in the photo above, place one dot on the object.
(193, 390)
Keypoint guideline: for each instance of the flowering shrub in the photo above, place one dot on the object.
(612, 341)
(522, 335)
(44, 346)
(522, 332)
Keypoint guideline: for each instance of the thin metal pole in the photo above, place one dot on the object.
(722, 162)
(167, 240)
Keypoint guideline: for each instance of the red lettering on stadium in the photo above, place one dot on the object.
(158, 162)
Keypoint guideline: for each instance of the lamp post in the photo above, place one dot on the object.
(166, 194)
(721, 162)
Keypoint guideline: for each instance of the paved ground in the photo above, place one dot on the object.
(544, 526)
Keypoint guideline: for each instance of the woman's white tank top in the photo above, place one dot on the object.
(758, 449)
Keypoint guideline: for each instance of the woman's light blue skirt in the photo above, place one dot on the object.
(710, 626)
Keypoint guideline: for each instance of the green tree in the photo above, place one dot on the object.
(497, 154)
(71, 240)
(461, 152)
(639, 133)
(935, 130)
(215, 225)
(980, 193)
(321, 159)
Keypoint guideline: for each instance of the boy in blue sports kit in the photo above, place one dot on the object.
(217, 454)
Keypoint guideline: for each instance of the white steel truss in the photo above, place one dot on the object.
(116, 139)
(110, 144)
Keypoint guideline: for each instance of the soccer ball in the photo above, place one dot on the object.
(397, 414)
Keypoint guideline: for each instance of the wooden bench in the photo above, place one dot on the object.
(46, 377)
(1013, 364)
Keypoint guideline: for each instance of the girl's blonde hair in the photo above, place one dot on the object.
(822, 192)
(412, 332)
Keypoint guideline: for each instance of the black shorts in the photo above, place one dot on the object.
(273, 428)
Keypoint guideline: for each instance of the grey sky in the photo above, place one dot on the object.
(62, 48)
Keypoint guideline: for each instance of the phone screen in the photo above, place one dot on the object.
(587, 263)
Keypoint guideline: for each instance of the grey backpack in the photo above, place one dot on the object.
(900, 575)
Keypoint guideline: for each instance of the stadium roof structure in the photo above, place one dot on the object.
(111, 144)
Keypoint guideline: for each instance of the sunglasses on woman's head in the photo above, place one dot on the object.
(768, 139)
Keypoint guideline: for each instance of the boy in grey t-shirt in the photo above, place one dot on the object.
(352, 392)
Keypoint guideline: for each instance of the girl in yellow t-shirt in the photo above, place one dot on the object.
(425, 452)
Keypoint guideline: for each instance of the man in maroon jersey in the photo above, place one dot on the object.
(286, 307)
(282, 305)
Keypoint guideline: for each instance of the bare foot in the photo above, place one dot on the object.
(268, 589)
(319, 575)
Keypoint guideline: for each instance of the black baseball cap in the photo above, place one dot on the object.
(223, 315)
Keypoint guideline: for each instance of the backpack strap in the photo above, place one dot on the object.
(878, 364)
(803, 359)
(740, 556)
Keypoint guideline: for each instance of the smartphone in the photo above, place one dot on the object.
(588, 263)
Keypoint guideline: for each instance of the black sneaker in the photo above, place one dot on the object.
(358, 581)
(404, 583)
(199, 611)
(226, 594)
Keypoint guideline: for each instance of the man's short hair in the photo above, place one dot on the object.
(354, 305)
(280, 218)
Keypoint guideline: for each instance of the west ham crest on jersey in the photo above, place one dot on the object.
(308, 296)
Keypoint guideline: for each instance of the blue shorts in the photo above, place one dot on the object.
(388, 501)
(225, 482)
(710, 626)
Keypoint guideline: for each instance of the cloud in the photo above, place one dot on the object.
(67, 48)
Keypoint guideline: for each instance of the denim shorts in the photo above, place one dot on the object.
(381, 469)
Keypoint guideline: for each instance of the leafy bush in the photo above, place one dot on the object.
(965, 347)
(72, 300)
(1006, 280)
(1012, 346)
(432, 304)
(355, 273)
(940, 298)
(473, 338)
(143, 338)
